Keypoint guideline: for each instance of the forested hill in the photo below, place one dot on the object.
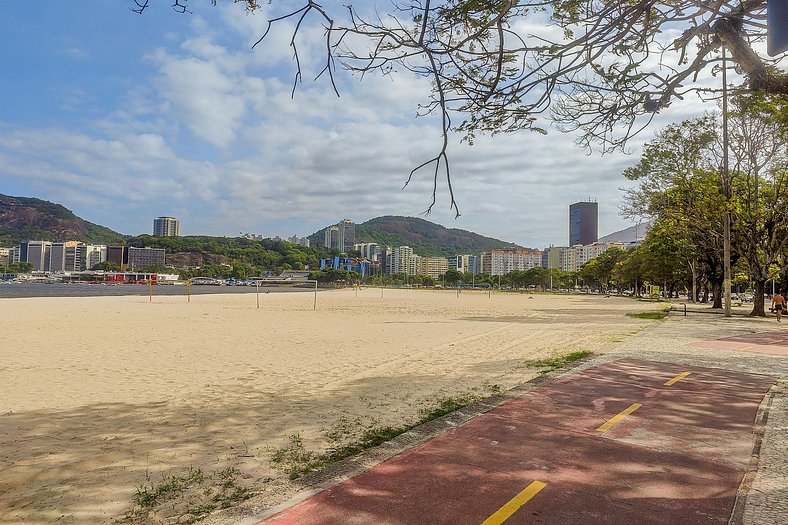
(26, 218)
(256, 256)
(425, 237)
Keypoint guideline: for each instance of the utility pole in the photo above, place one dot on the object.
(727, 186)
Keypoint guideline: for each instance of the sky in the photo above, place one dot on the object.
(123, 118)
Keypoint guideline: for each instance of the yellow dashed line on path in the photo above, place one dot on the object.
(515, 503)
(677, 378)
(615, 420)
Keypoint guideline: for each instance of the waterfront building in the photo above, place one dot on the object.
(583, 223)
(119, 255)
(5, 256)
(91, 254)
(139, 258)
(36, 253)
(166, 227)
(57, 257)
(14, 255)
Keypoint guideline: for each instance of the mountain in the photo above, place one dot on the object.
(426, 238)
(25, 218)
(631, 234)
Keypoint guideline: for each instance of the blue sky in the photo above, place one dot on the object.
(122, 118)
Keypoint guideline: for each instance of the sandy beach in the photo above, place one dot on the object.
(102, 395)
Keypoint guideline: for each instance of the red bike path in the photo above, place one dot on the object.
(627, 442)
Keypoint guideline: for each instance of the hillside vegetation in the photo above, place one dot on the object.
(426, 238)
(26, 218)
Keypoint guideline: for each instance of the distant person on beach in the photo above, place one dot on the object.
(778, 304)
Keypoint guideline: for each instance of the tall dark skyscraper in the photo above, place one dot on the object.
(583, 223)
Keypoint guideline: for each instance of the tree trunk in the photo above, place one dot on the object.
(694, 282)
(705, 298)
(716, 289)
(757, 300)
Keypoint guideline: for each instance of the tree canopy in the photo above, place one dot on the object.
(600, 67)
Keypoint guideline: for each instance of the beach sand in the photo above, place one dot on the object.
(103, 395)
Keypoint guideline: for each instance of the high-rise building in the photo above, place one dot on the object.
(347, 235)
(583, 223)
(36, 253)
(331, 238)
(166, 227)
(369, 250)
(403, 261)
(57, 257)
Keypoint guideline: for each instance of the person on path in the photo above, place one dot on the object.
(778, 304)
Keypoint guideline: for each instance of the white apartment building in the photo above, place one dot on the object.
(92, 254)
(572, 259)
(402, 260)
(501, 262)
(301, 241)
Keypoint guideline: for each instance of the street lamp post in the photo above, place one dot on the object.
(726, 185)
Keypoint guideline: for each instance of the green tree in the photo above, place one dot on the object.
(19, 267)
(452, 277)
(107, 266)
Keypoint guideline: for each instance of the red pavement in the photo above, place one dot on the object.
(678, 458)
(774, 342)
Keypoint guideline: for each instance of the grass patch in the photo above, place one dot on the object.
(295, 460)
(556, 363)
(656, 315)
(185, 499)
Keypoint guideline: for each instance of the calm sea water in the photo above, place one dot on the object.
(11, 290)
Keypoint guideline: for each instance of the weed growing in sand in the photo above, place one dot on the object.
(656, 315)
(186, 499)
(555, 363)
(296, 461)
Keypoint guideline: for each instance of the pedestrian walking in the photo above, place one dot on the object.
(778, 305)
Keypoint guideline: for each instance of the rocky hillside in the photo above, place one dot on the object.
(24, 218)
(425, 237)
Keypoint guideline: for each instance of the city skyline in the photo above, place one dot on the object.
(119, 116)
